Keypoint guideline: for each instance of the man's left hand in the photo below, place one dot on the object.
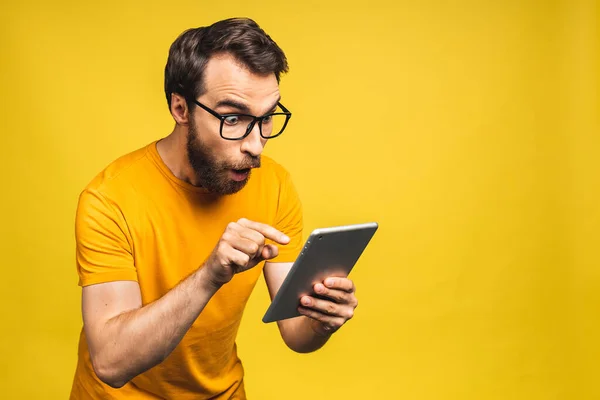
(334, 307)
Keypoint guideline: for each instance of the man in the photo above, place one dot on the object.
(172, 238)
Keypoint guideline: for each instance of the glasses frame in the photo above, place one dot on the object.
(250, 126)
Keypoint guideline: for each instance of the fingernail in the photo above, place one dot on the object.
(306, 301)
(329, 282)
(320, 288)
(285, 238)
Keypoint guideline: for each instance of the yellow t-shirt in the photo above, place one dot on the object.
(137, 221)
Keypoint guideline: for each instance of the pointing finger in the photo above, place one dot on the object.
(267, 231)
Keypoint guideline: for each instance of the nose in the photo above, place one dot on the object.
(253, 144)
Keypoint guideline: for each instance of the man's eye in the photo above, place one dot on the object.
(232, 120)
(267, 119)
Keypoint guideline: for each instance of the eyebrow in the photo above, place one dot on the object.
(241, 106)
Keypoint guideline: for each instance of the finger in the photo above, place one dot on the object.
(253, 236)
(238, 259)
(327, 307)
(339, 296)
(267, 231)
(330, 324)
(249, 234)
(269, 251)
(344, 284)
(244, 245)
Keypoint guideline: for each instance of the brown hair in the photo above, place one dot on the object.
(240, 37)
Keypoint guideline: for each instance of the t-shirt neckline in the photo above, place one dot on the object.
(157, 159)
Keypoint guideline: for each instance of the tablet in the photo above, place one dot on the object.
(327, 252)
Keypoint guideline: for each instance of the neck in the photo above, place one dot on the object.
(173, 151)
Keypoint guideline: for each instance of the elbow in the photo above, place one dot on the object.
(111, 378)
(298, 348)
(293, 338)
(109, 375)
(113, 373)
(296, 345)
(301, 340)
(115, 384)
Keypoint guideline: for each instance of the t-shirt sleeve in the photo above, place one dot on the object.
(103, 251)
(289, 220)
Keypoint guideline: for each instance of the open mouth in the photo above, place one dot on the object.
(240, 174)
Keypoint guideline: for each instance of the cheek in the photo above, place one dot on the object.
(221, 149)
(207, 129)
(224, 151)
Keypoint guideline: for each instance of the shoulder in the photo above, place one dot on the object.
(273, 170)
(120, 172)
(278, 180)
(116, 185)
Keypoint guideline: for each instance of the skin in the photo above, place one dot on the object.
(126, 339)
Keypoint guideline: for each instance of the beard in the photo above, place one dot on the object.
(213, 174)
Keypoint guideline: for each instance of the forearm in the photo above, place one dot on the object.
(137, 340)
(299, 335)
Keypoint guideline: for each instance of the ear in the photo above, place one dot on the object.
(179, 109)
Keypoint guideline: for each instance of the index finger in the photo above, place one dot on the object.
(267, 231)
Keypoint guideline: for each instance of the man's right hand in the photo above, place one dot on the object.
(241, 247)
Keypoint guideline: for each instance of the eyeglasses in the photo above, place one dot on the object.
(238, 126)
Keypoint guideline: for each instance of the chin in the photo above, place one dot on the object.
(232, 187)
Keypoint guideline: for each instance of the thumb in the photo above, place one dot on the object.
(269, 251)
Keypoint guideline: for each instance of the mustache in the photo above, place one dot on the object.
(247, 163)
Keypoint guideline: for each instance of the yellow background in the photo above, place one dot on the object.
(469, 130)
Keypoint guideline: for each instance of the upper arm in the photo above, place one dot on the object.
(289, 220)
(103, 301)
(275, 274)
(104, 250)
(105, 263)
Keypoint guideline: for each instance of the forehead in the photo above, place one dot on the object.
(225, 77)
